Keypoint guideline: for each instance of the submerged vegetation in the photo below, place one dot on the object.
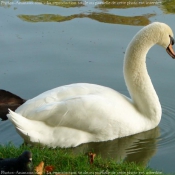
(62, 161)
(168, 6)
(101, 17)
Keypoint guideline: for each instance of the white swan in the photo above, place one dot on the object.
(70, 115)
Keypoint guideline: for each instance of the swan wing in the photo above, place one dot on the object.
(86, 111)
(85, 107)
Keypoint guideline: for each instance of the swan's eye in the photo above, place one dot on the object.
(171, 40)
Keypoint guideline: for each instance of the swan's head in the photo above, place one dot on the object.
(154, 33)
(166, 39)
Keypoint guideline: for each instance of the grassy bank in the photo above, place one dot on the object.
(65, 162)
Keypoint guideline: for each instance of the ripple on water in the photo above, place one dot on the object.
(167, 124)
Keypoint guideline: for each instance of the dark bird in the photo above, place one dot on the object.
(19, 165)
(8, 101)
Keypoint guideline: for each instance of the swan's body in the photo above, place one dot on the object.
(78, 113)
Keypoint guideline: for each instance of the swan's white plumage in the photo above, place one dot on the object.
(78, 113)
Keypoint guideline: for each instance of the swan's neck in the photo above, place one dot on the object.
(138, 82)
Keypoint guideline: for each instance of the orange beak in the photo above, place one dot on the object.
(170, 51)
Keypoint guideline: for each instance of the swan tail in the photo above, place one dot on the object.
(19, 121)
(28, 129)
(8, 100)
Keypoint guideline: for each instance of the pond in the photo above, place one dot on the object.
(45, 44)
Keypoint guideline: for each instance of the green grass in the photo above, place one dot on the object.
(66, 162)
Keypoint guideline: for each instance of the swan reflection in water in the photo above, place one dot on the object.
(138, 148)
